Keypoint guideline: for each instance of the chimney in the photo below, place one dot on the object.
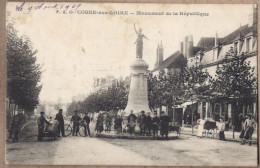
(216, 40)
(190, 46)
(181, 47)
(185, 46)
(252, 18)
(159, 55)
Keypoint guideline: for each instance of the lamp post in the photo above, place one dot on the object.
(192, 113)
(173, 110)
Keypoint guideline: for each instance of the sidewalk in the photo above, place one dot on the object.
(228, 134)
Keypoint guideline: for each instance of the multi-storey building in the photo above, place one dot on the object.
(209, 53)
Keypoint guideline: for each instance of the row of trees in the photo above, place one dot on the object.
(23, 72)
(171, 88)
(110, 100)
(234, 78)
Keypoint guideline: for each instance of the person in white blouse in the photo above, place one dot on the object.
(222, 130)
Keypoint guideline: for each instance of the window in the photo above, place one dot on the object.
(204, 109)
(248, 42)
(236, 47)
(217, 108)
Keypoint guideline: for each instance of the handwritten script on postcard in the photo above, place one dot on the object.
(75, 8)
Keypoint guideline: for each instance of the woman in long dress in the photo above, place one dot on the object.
(200, 128)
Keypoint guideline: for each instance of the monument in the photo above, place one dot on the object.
(138, 94)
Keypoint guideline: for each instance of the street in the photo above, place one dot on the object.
(187, 150)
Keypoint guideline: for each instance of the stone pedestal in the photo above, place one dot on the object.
(138, 94)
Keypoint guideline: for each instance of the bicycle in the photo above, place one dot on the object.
(68, 129)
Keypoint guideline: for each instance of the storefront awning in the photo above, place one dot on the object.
(187, 103)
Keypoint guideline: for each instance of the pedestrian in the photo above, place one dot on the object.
(221, 130)
(142, 122)
(249, 127)
(40, 121)
(132, 122)
(108, 123)
(86, 121)
(17, 123)
(148, 123)
(242, 128)
(100, 122)
(75, 119)
(59, 117)
(118, 125)
(155, 124)
(164, 121)
(188, 120)
(200, 130)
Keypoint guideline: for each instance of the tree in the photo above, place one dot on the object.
(23, 73)
(235, 80)
(235, 77)
(74, 105)
(153, 91)
(58, 104)
(196, 85)
(110, 100)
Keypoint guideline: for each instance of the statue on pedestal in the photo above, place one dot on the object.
(138, 92)
(139, 42)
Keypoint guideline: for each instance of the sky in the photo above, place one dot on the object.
(75, 48)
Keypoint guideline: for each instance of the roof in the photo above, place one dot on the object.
(242, 30)
(207, 43)
(175, 57)
(195, 50)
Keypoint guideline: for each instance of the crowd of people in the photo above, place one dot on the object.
(248, 125)
(144, 125)
(75, 119)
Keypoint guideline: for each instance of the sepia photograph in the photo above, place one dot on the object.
(131, 84)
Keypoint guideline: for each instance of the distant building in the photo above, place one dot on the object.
(110, 81)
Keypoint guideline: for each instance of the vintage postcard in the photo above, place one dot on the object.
(143, 84)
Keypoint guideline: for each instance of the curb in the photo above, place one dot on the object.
(228, 139)
(98, 135)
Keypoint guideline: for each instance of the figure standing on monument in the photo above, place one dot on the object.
(139, 42)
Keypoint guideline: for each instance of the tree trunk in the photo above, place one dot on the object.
(233, 119)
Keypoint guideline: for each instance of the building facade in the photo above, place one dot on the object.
(209, 53)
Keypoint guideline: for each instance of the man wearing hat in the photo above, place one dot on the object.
(249, 127)
(155, 125)
(142, 123)
(148, 123)
(40, 121)
(131, 122)
(59, 117)
(86, 121)
(17, 123)
(164, 120)
(75, 119)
